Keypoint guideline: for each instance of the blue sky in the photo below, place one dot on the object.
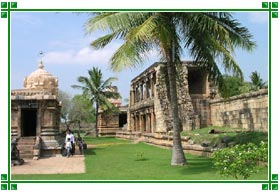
(68, 54)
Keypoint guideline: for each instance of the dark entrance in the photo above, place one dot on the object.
(28, 122)
(122, 119)
(197, 81)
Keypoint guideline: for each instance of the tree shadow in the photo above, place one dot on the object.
(142, 159)
(197, 166)
(91, 151)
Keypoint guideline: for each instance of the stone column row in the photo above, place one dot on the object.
(143, 122)
(143, 90)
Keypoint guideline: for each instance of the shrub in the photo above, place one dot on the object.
(240, 160)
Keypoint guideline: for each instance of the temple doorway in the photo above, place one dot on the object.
(28, 122)
(122, 119)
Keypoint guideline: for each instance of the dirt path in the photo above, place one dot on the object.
(52, 165)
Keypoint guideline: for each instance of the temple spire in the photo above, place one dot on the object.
(41, 55)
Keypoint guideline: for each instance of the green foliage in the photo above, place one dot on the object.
(236, 136)
(240, 161)
(209, 37)
(234, 86)
(75, 109)
(98, 91)
(81, 109)
(140, 156)
(257, 81)
(65, 99)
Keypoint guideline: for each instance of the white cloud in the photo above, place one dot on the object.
(258, 17)
(84, 56)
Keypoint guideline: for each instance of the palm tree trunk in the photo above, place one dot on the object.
(178, 156)
(96, 120)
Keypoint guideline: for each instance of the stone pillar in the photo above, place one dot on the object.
(144, 89)
(141, 91)
(148, 123)
(140, 122)
(137, 122)
(153, 121)
(146, 96)
(144, 122)
(39, 123)
(132, 96)
(132, 123)
(152, 83)
(136, 94)
(19, 122)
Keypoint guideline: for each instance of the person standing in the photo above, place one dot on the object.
(68, 135)
(72, 139)
(68, 147)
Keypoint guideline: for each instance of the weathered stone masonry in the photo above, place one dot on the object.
(149, 118)
(248, 111)
(149, 109)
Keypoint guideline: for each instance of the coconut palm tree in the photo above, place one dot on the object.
(257, 81)
(98, 91)
(206, 36)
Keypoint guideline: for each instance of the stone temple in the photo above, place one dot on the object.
(110, 122)
(35, 115)
(149, 109)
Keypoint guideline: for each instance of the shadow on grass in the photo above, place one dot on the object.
(197, 166)
(92, 151)
(142, 159)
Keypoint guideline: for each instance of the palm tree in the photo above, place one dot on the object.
(257, 81)
(207, 36)
(97, 91)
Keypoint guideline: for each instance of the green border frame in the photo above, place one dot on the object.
(8, 7)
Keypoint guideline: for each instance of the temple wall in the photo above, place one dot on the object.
(149, 106)
(248, 111)
(47, 121)
(202, 109)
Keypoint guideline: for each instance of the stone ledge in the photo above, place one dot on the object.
(242, 96)
(165, 141)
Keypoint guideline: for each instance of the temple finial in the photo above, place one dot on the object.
(41, 55)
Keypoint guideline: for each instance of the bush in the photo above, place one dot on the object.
(240, 160)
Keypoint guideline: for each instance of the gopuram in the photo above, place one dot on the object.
(149, 109)
(35, 115)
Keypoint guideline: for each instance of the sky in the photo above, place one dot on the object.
(67, 51)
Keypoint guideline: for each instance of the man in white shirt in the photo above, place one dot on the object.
(72, 139)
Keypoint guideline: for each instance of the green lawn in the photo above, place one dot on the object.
(234, 134)
(115, 159)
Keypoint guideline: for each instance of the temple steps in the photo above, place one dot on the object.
(26, 147)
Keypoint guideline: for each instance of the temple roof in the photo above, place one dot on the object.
(42, 80)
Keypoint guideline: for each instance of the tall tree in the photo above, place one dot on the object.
(65, 99)
(97, 90)
(234, 86)
(207, 36)
(81, 110)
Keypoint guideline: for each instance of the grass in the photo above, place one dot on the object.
(236, 136)
(115, 159)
